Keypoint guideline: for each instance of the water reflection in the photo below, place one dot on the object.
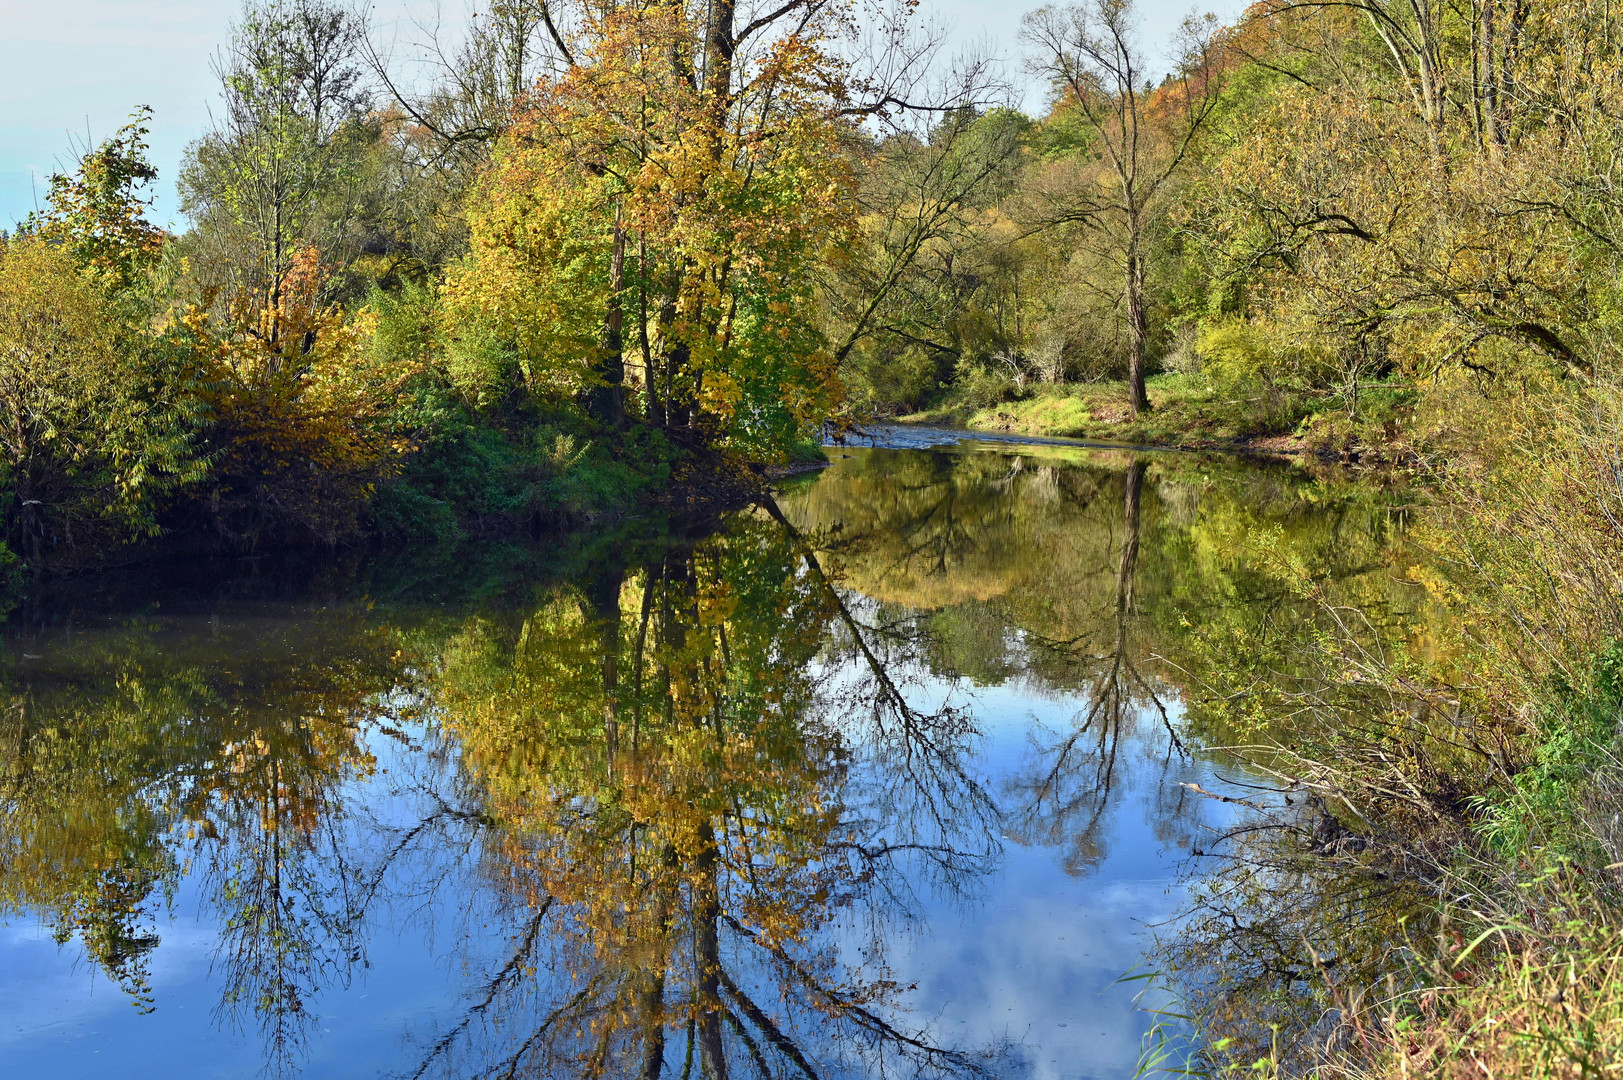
(661, 753)
(138, 756)
(705, 800)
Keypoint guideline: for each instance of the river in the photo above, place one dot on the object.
(901, 775)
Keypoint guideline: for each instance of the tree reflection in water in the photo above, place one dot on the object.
(1046, 561)
(1064, 796)
(700, 790)
(130, 759)
(664, 754)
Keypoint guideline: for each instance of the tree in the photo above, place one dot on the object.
(475, 87)
(87, 448)
(1456, 225)
(900, 296)
(277, 172)
(297, 411)
(650, 215)
(1135, 139)
(450, 103)
(97, 213)
(679, 178)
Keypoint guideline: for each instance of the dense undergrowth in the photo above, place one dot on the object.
(1428, 882)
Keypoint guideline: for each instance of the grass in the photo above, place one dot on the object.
(1188, 411)
(1521, 973)
(1548, 1003)
(1524, 979)
(1184, 412)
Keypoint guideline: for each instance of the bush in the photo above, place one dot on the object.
(1236, 357)
(984, 388)
(300, 413)
(94, 436)
(901, 379)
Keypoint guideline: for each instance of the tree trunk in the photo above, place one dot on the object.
(29, 519)
(673, 358)
(608, 400)
(706, 916)
(718, 63)
(650, 372)
(1133, 488)
(1138, 320)
(603, 593)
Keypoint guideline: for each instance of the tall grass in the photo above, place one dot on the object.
(1436, 889)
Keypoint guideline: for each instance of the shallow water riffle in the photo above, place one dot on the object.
(889, 776)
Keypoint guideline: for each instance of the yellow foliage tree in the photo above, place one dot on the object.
(298, 412)
(653, 225)
(85, 447)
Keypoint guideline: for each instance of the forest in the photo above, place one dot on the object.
(592, 256)
(536, 275)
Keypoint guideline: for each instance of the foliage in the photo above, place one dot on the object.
(298, 409)
(97, 214)
(279, 172)
(628, 210)
(90, 446)
(927, 290)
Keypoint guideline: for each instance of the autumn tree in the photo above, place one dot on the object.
(97, 213)
(1420, 195)
(88, 445)
(655, 210)
(297, 412)
(647, 237)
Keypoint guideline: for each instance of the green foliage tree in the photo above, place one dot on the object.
(89, 445)
(97, 213)
(1134, 142)
(282, 167)
(920, 296)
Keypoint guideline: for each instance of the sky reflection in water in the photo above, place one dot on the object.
(901, 758)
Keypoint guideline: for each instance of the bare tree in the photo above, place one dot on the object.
(1141, 136)
(460, 89)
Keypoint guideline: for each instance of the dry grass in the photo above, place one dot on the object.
(1496, 789)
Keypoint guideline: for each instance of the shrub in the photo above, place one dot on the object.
(92, 438)
(299, 413)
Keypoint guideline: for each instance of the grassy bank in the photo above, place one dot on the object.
(1186, 411)
(1435, 887)
(1514, 968)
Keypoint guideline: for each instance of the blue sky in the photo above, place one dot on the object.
(72, 66)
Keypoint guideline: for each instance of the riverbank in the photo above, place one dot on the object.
(1186, 414)
(1430, 882)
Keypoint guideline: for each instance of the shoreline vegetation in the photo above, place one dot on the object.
(588, 257)
(1100, 411)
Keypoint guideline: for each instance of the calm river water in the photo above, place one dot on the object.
(886, 779)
